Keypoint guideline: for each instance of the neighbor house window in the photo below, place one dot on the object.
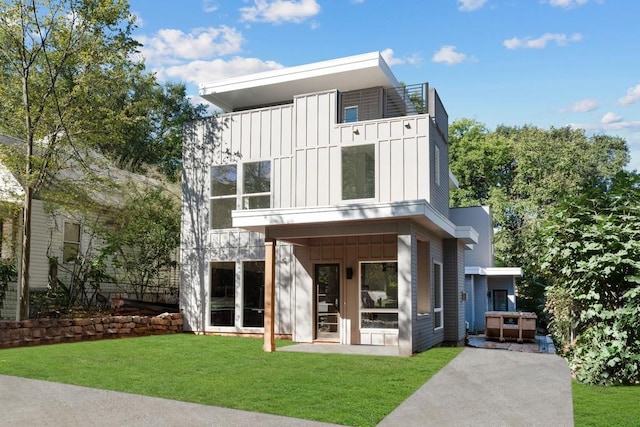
(379, 295)
(253, 294)
(436, 164)
(224, 190)
(437, 295)
(350, 114)
(223, 293)
(71, 241)
(358, 172)
(256, 185)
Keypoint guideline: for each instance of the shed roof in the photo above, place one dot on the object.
(280, 86)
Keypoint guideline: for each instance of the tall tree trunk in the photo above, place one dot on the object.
(26, 252)
(23, 306)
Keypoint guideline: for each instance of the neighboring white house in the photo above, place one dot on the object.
(57, 233)
(316, 207)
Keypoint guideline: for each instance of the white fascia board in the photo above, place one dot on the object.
(259, 219)
(300, 72)
(493, 271)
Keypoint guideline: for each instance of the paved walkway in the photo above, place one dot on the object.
(480, 387)
(483, 387)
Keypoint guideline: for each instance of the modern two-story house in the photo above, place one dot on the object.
(316, 207)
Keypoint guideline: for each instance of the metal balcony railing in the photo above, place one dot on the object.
(382, 103)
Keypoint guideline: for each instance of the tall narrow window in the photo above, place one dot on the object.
(253, 294)
(223, 293)
(351, 114)
(256, 185)
(437, 295)
(379, 295)
(436, 164)
(71, 242)
(223, 195)
(358, 172)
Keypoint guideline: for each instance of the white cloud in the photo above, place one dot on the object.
(390, 59)
(172, 46)
(541, 42)
(448, 55)
(198, 72)
(279, 11)
(632, 96)
(567, 4)
(583, 106)
(610, 118)
(470, 5)
(617, 124)
(209, 6)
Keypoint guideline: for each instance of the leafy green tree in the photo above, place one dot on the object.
(61, 59)
(591, 255)
(522, 172)
(142, 239)
(150, 130)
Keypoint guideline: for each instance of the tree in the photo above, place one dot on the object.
(521, 173)
(142, 239)
(591, 254)
(61, 61)
(151, 131)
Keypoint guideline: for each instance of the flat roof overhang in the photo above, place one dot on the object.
(278, 86)
(296, 224)
(493, 271)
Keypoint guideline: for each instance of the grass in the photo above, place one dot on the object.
(606, 406)
(236, 373)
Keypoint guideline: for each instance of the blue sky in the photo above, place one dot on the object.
(513, 62)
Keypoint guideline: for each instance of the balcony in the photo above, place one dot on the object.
(384, 103)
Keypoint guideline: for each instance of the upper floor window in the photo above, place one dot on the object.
(257, 185)
(71, 241)
(252, 191)
(351, 114)
(358, 172)
(436, 164)
(224, 185)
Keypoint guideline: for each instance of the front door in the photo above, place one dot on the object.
(327, 289)
(500, 300)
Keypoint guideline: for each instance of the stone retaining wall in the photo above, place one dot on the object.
(53, 331)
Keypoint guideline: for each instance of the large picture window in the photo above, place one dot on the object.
(358, 172)
(379, 295)
(223, 293)
(437, 295)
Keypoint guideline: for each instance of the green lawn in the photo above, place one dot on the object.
(606, 406)
(236, 373)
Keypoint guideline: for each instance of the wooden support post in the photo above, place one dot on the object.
(269, 295)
